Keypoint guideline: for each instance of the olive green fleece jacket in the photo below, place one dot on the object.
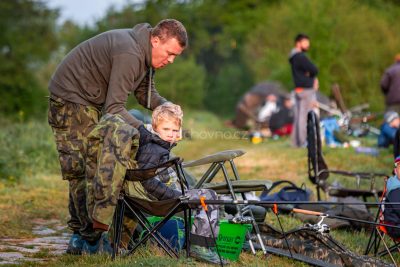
(104, 70)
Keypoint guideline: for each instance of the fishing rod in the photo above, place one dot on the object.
(268, 203)
(274, 205)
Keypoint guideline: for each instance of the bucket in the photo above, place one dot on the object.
(231, 239)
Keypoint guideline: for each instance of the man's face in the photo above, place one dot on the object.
(168, 130)
(304, 45)
(164, 52)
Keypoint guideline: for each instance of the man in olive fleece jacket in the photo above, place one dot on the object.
(94, 79)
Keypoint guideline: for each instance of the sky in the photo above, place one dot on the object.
(85, 11)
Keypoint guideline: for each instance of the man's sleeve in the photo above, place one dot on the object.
(385, 82)
(122, 79)
(141, 93)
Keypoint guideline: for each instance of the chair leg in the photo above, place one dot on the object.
(187, 213)
(118, 219)
(153, 232)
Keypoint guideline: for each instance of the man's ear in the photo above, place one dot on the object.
(155, 41)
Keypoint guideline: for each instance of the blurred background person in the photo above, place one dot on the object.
(390, 85)
(306, 84)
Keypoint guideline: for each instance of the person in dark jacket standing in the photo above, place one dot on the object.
(305, 79)
(390, 85)
(95, 79)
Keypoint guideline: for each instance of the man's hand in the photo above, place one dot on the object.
(144, 134)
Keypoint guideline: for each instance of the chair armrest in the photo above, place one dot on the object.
(239, 186)
(362, 175)
(145, 174)
(217, 157)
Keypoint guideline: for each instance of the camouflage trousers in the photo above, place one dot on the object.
(71, 123)
(112, 147)
(202, 227)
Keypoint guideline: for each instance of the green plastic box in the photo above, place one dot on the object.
(231, 238)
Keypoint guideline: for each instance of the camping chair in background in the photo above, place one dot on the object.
(137, 208)
(318, 171)
(380, 235)
(232, 186)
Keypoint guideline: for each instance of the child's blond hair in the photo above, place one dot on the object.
(169, 112)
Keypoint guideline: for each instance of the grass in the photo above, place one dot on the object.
(31, 187)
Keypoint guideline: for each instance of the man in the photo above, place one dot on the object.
(304, 74)
(390, 85)
(96, 78)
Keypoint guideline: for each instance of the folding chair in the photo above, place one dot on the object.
(380, 234)
(231, 186)
(137, 208)
(318, 171)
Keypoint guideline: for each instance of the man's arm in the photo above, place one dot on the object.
(307, 65)
(122, 79)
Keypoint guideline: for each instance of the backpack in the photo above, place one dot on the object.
(290, 192)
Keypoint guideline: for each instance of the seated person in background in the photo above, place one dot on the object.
(281, 122)
(392, 213)
(388, 129)
(155, 150)
(267, 109)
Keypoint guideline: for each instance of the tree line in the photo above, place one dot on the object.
(232, 46)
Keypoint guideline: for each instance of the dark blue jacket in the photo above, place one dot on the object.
(152, 152)
(391, 212)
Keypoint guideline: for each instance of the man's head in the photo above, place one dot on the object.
(167, 122)
(302, 42)
(168, 40)
(392, 118)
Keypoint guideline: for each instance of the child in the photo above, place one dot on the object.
(392, 213)
(154, 150)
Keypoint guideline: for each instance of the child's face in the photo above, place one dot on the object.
(168, 130)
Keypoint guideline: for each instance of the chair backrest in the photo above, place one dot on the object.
(317, 168)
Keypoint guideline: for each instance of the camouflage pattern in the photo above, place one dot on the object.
(112, 147)
(71, 123)
(313, 244)
(201, 226)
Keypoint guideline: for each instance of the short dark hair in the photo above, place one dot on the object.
(171, 28)
(300, 37)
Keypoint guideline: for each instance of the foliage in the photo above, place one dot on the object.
(183, 82)
(351, 43)
(23, 154)
(26, 40)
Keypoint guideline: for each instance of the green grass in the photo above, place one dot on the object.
(31, 186)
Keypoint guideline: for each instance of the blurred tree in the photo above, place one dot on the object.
(27, 38)
(351, 43)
